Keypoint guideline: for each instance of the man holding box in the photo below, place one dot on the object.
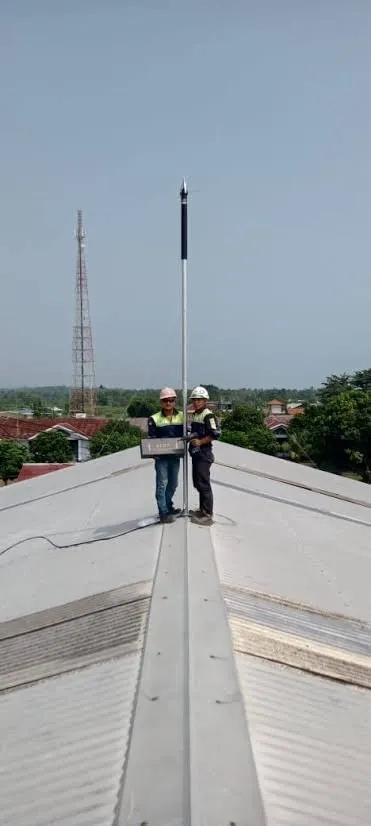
(167, 423)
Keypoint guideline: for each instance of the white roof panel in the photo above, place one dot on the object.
(63, 744)
(80, 508)
(258, 464)
(285, 549)
(312, 745)
(226, 668)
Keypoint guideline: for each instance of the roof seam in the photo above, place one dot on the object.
(187, 786)
(70, 611)
(290, 604)
(121, 786)
(281, 500)
(237, 679)
(302, 485)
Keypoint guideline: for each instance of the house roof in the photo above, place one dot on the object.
(276, 401)
(31, 470)
(13, 428)
(277, 421)
(296, 411)
(132, 654)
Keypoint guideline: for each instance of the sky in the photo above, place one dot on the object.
(264, 106)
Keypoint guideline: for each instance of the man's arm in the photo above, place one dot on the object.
(212, 432)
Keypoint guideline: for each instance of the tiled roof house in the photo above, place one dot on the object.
(79, 431)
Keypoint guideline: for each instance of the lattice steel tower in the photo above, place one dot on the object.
(83, 390)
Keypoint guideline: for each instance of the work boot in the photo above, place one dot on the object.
(175, 511)
(166, 519)
(203, 519)
(197, 512)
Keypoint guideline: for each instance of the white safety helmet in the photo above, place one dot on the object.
(167, 393)
(199, 393)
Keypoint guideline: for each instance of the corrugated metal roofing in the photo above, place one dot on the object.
(329, 629)
(218, 730)
(61, 646)
(190, 760)
(63, 745)
(312, 745)
(275, 543)
(330, 646)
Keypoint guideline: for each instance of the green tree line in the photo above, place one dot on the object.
(40, 399)
(333, 434)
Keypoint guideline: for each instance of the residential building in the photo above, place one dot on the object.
(279, 415)
(277, 427)
(295, 408)
(276, 408)
(78, 431)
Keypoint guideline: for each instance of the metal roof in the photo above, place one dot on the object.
(180, 675)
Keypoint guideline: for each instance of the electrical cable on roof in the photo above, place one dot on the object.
(142, 523)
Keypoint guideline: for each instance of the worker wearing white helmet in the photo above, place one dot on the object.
(167, 423)
(204, 430)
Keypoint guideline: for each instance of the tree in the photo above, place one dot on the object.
(245, 427)
(142, 408)
(115, 436)
(12, 457)
(334, 385)
(361, 457)
(361, 380)
(39, 410)
(243, 418)
(52, 446)
(337, 434)
(259, 438)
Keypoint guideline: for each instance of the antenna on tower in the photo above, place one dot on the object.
(83, 391)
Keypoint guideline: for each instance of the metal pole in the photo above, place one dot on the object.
(184, 257)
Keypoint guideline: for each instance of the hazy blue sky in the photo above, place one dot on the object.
(265, 107)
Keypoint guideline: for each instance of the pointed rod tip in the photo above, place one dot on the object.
(184, 190)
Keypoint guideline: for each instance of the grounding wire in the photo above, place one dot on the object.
(147, 524)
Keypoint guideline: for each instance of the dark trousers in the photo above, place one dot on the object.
(201, 481)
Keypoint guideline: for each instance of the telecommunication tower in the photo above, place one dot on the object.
(83, 390)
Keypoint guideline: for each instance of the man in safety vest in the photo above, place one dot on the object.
(204, 430)
(168, 423)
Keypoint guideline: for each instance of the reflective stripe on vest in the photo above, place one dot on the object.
(199, 427)
(200, 417)
(165, 421)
